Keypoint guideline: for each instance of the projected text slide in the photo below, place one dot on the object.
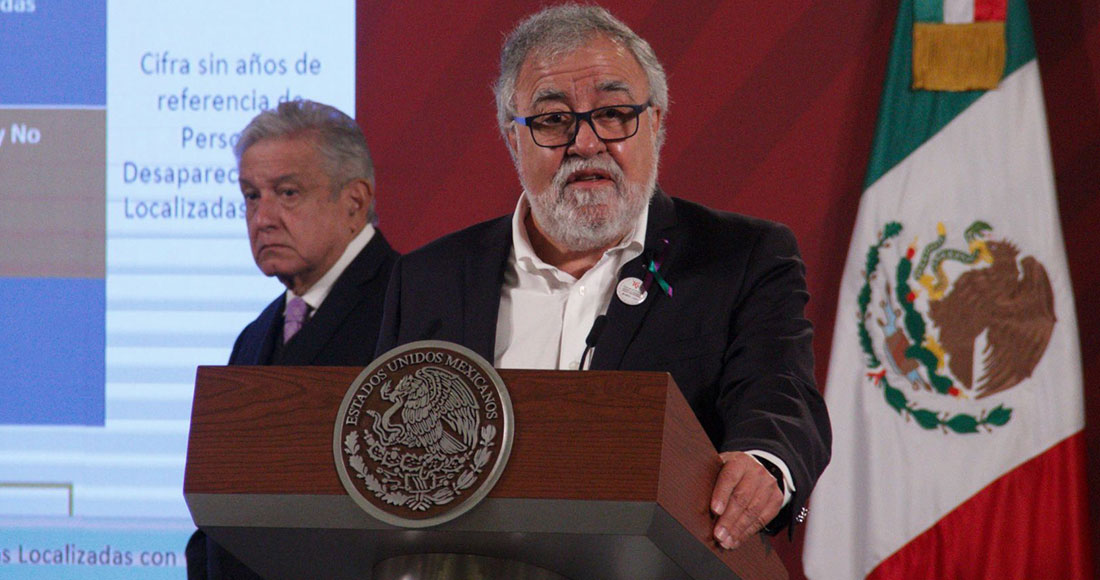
(125, 243)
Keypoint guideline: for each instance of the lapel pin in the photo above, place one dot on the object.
(630, 291)
(653, 271)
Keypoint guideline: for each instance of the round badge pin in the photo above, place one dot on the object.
(630, 291)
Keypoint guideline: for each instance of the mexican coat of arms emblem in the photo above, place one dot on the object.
(946, 330)
(423, 434)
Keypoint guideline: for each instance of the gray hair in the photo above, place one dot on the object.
(339, 140)
(559, 30)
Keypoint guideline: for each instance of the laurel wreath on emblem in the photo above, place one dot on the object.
(438, 476)
(914, 347)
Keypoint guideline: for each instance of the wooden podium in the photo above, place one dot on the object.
(609, 478)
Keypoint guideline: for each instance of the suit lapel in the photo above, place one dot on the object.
(259, 346)
(623, 320)
(345, 296)
(484, 277)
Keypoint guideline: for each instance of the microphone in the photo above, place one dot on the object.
(593, 336)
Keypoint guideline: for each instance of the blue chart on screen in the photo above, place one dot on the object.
(53, 90)
(52, 360)
(58, 51)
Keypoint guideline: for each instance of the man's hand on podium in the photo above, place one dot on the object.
(746, 497)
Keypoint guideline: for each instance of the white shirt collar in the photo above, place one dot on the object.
(319, 291)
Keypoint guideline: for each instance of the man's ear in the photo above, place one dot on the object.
(357, 196)
(513, 144)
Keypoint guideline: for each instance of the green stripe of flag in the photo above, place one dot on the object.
(908, 118)
(928, 10)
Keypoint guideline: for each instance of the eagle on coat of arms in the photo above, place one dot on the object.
(989, 325)
(1013, 303)
(438, 412)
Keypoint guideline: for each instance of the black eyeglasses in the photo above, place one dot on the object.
(559, 129)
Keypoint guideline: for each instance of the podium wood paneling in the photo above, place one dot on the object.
(611, 467)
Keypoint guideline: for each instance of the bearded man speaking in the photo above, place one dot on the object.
(595, 250)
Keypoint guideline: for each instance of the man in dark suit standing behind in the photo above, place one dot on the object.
(596, 255)
(308, 184)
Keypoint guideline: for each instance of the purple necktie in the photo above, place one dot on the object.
(293, 318)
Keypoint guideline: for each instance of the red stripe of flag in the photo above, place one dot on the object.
(990, 10)
(1030, 523)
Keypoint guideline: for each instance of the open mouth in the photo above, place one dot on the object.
(588, 175)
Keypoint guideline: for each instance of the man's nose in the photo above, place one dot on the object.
(587, 143)
(266, 211)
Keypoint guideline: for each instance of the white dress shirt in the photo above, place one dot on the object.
(545, 313)
(319, 291)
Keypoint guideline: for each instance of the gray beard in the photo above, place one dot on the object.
(571, 219)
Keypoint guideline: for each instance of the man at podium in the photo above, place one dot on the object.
(598, 268)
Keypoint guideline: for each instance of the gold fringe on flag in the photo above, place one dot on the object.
(958, 57)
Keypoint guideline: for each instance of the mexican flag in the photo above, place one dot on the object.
(954, 384)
